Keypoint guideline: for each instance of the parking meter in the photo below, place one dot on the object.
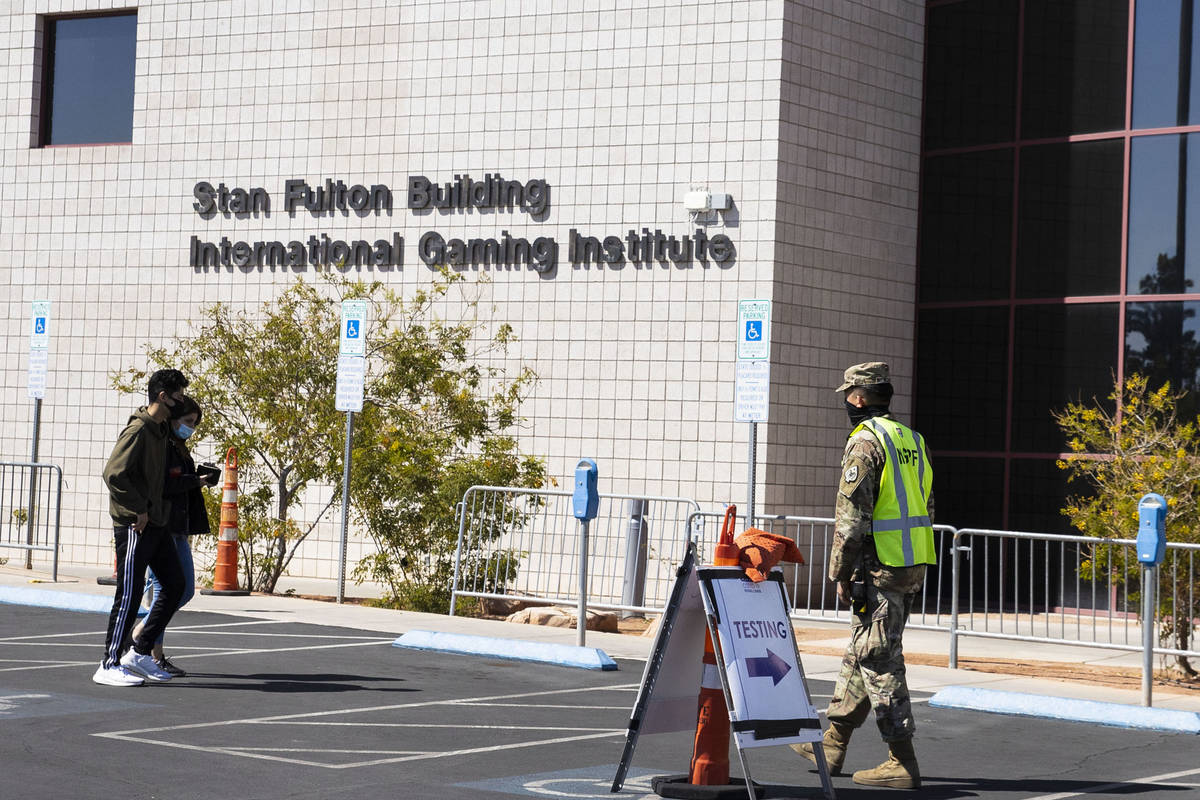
(1152, 529)
(1151, 549)
(586, 500)
(585, 503)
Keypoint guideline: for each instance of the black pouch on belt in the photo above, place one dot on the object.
(858, 596)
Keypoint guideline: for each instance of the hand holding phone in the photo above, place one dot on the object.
(209, 473)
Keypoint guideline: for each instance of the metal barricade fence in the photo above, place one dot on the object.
(1063, 589)
(812, 596)
(523, 544)
(31, 509)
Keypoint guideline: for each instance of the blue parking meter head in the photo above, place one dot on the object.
(585, 502)
(1152, 529)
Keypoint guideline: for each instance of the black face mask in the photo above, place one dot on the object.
(858, 415)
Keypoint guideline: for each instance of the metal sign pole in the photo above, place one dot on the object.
(753, 457)
(39, 356)
(581, 613)
(348, 397)
(30, 512)
(345, 507)
(1149, 601)
(752, 384)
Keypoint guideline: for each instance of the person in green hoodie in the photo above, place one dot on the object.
(134, 475)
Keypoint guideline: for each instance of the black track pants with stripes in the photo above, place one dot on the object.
(154, 547)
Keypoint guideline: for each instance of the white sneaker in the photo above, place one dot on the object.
(116, 676)
(144, 665)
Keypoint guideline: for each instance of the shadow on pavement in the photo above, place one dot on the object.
(284, 682)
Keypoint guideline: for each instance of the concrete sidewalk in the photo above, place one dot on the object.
(817, 665)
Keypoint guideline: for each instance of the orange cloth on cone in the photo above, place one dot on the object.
(760, 551)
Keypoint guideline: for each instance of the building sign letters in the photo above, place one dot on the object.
(333, 197)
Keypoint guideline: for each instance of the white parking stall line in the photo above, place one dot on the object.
(258, 753)
(570, 706)
(24, 664)
(91, 643)
(174, 628)
(251, 651)
(432, 725)
(276, 635)
(153, 736)
(1165, 779)
(243, 624)
(368, 709)
(490, 749)
(30, 664)
(912, 700)
(323, 750)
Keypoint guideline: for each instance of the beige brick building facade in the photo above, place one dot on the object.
(807, 114)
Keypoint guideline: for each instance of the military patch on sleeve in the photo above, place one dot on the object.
(852, 475)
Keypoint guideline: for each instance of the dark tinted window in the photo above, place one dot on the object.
(1074, 67)
(971, 73)
(1161, 343)
(1063, 353)
(1069, 219)
(1037, 493)
(88, 91)
(1164, 61)
(968, 492)
(1164, 214)
(961, 377)
(966, 226)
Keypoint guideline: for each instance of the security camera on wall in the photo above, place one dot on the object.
(697, 202)
(704, 207)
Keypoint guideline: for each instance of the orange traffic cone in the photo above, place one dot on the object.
(225, 573)
(710, 753)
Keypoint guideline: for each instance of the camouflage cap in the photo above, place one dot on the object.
(869, 374)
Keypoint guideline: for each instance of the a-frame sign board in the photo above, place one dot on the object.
(764, 683)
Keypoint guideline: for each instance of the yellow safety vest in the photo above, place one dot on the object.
(901, 526)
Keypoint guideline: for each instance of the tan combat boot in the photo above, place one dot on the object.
(898, 772)
(835, 742)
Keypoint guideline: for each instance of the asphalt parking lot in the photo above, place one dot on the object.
(275, 709)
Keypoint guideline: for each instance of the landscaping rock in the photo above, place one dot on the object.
(555, 617)
(503, 607)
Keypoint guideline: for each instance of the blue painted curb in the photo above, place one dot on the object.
(65, 601)
(1064, 708)
(509, 649)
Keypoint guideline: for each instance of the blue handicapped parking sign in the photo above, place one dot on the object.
(754, 330)
(351, 329)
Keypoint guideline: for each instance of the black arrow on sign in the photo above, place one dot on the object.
(772, 666)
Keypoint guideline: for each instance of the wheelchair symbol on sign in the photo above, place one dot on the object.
(39, 325)
(753, 330)
(351, 329)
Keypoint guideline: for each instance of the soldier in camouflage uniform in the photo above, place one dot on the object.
(880, 596)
